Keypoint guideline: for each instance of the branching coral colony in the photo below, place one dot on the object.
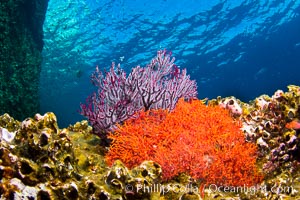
(153, 114)
(158, 85)
(202, 141)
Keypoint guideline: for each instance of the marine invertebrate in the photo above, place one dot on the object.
(232, 104)
(42, 161)
(273, 123)
(293, 125)
(202, 141)
(158, 85)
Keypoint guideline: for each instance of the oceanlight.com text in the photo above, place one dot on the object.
(212, 188)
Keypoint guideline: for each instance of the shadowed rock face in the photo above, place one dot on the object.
(21, 33)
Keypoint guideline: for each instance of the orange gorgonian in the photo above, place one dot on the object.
(202, 141)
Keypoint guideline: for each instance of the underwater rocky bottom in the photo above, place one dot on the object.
(39, 160)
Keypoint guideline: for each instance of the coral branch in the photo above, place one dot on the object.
(158, 85)
(199, 140)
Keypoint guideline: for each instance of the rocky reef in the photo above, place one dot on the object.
(41, 161)
(38, 160)
(273, 124)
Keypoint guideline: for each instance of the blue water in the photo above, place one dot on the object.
(234, 47)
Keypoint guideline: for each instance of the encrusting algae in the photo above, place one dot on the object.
(198, 151)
